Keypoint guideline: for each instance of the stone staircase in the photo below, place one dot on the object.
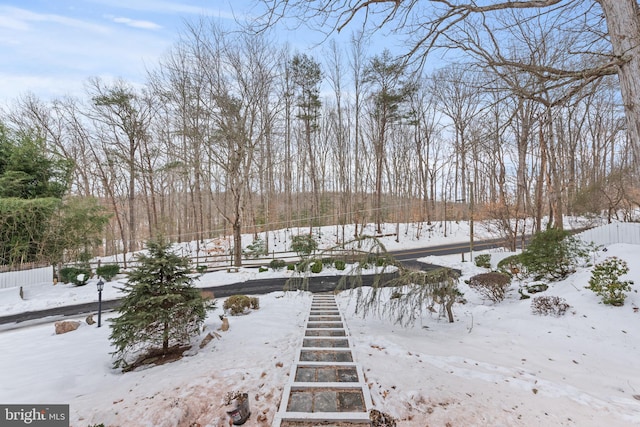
(326, 386)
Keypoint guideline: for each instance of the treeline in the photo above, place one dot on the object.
(233, 133)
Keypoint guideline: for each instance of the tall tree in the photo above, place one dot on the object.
(390, 87)
(306, 75)
(439, 23)
(124, 116)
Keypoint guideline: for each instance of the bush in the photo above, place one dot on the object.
(553, 254)
(605, 281)
(202, 268)
(291, 266)
(262, 269)
(70, 275)
(340, 264)
(108, 271)
(327, 261)
(316, 267)
(238, 304)
(277, 264)
(511, 265)
(483, 260)
(304, 245)
(256, 249)
(549, 305)
(492, 286)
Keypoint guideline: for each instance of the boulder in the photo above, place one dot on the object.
(66, 326)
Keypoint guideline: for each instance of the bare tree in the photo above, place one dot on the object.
(390, 86)
(437, 23)
(123, 116)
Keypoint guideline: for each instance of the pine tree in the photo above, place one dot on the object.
(161, 308)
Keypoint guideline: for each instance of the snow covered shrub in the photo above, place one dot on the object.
(316, 267)
(512, 266)
(549, 305)
(256, 249)
(304, 245)
(340, 264)
(238, 304)
(483, 260)
(108, 271)
(553, 254)
(492, 286)
(277, 264)
(605, 281)
(70, 275)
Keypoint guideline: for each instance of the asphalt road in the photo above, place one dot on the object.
(261, 286)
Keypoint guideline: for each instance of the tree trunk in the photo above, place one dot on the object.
(623, 22)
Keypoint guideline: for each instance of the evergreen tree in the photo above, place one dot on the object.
(161, 308)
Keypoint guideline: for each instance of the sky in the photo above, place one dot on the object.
(498, 364)
(51, 48)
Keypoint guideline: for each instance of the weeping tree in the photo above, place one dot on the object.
(162, 309)
(407, 292)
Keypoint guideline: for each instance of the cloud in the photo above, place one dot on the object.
(165, 7)
(135, 23)
(14, 18)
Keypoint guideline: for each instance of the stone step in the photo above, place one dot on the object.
(326, 386)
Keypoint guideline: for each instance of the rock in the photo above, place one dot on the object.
(90, 320)
(66, 326)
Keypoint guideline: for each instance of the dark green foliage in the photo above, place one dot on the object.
(492, 286)
(483, 260)
(549, 305)
(316, 267)
(26, 171)
(340, 264)
(262, 269)
(605, 281)
(161, 307)
(238, 304)
(277, 264)
(327, 261)
(256, 249)
(70, 275)
(553, 254)
(35, 224)
(202, 268)
(108, 271)
(291, 266)
(512, 265)
(25, 226)
(304, 245)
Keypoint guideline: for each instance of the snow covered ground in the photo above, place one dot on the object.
(496, 365)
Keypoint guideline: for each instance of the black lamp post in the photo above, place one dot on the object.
(100, 286)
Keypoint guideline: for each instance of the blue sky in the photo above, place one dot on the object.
(51, 47)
